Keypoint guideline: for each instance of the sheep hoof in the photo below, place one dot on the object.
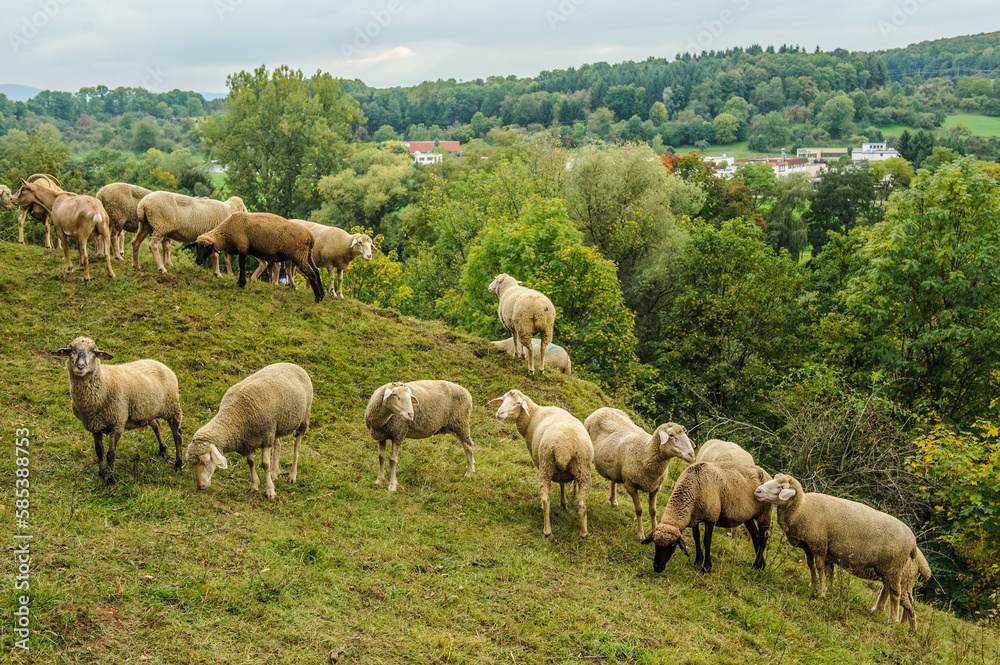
(272, 495)
(178, 465)
(291, 478)
(163, 271)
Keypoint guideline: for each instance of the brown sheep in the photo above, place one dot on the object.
(37, 211)
(121, 200)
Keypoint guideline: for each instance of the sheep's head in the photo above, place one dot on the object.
(364, 246)
(236, 204)
(83, 356)
(511, 404)
(399, 399)
(25, 194)
(667, 538)
(674, 442)
(204, 247)
(499, 280)
(779, 491)
(5, 198)
(204, 461)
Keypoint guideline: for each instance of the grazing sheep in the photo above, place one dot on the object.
(556, 355)
(74, 216)
(168, 216)
(834, 531)
(109, 399)
(524, 312)
(5, 198)
(444, 408)
(625, 453)
(718, 494)
(267, 237)
(121, 200)
(36, 210)
(335, 249)
(717, 450)
(559, 446)
(255, 413)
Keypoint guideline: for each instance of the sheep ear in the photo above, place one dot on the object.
(680, 542)
(103, 355)
(386, 395)
(498, 400)
(786, 494)
(664, 437)
(218, 458)
(524, 406)
(215, 249)
(648, 539)
(357, 241)
(61, 352)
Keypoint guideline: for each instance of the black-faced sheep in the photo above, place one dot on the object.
(273, 402)
(559, 447)
(168, 216)
(75, 216)
(834, 531)
(555, 356)
(265, 236)
(443, 407)
(626, 454)
(524, 312)
(121, 201)
(718, 494)
(109, 399)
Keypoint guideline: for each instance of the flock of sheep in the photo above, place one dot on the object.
(722, 486)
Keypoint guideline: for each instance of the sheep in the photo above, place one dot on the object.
(74, 215)
(559, 447)
(717, 450)
(168, 216)
(556, 355)
(625, 453)
(267, 237)
(36, 210)
(335, 249)
(121, 200)
(834, 531)
(718, 494)
(915, 567)
(524, 312)
(444, 408)
(273, 402)
(109, 399)
(5, 198)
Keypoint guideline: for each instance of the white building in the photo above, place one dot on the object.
(874, 152)
(427, 158)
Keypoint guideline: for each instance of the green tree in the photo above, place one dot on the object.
(145, 136)
(600, 121)
(726, 127)
(385, 133)
(837, 116)
(785, 227)
(658, 114)
(278, 134)
(845, 197)
(626, 101)
(769, 131)
(760, 180)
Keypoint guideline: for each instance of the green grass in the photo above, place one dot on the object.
(979, 125)
(445, 570)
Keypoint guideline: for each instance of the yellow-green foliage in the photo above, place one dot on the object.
(379, 281)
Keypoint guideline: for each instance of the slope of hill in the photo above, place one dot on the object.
(18, 93)
(337, 569)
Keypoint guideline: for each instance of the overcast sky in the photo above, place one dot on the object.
(195, 44)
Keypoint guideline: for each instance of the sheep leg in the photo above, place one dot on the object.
(652, 509)
(154, 244)
(709, 528)
(215, 266)
(311, 273)
(295, 458)
(392, 465)
(562, 496)
(165, 248)
(582, 492)
(243, 270)
(470, 463)
(544, 484)
(140, 235)
(546, 340)
(99, 449)
(261, 267)
(21, 216)
(613, 496)
(254, 480)
(759, 540)
(331, 272)
(65, 248)
(155, 426)
(290, 274)
(106, 236)
(879, 605)
(175, 429)
(229, 266)
(892, 583)
(698, 557)
(112, 446)
(48, 232)
(633, 492)
(819, 561)
(340, 284)
(275, 468)
(265, 463)
(381, 463)
(526, 344)
(81, 241)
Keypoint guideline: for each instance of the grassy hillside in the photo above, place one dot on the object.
(979, 125)
(337, 569)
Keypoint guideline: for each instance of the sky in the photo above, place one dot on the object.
(196, 44)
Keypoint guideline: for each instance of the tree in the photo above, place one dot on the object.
(385, 133)
(600, 121)
(770, 131)
(145, 136)
(278, 134)
(626, 101)
(658, 114)
(760, 180)
(837, 116)
(844, 198)
(785, 227)
(726, 128)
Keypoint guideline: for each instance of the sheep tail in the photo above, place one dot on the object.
(563, 458)
(98, 218)
(922, 566)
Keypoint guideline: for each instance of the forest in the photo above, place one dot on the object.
(849, 329)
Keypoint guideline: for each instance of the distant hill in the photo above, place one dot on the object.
(18, 93)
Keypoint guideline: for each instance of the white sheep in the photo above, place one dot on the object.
(168, 216)
(717, 450)
(335, 249)
(834, 531)
(271, 403)
(443, 408)
(121, 201)
(718, 494)
(109, 399)
(555, 355)
(626, 454)
(559, 447)
(524, 312)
